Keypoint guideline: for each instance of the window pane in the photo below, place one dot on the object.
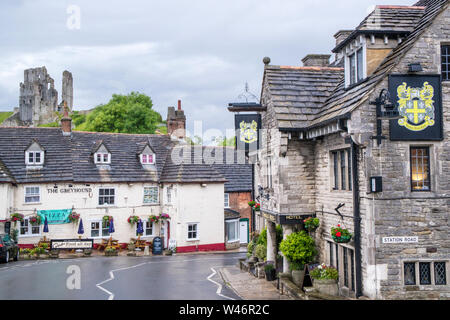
(343, 170)
(38, 157)
(410, 273)
(335, 170)
(352, 69)
(420, 169)
(360, 64)
(345, 258)
(439, 273)
(425, 273)
(150, 194)
(349, 165)
(445, 59)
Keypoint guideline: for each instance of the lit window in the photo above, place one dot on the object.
(420, 169)
(193, 231)
(150, 195)
(106, 196)
(27, 229)
(32, 195)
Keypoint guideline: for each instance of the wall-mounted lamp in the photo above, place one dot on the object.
(389, 112)
(415, 67)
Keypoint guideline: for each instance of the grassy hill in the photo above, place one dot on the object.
(4, 116)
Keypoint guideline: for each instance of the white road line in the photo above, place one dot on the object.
(219, 289)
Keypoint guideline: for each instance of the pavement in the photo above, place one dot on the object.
(177, 277)
(249, 287)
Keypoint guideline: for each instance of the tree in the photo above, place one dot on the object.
(224, 142)
(130, 113)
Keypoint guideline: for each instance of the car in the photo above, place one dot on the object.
(8, 249)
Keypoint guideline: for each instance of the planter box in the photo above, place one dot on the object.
(326, 286)
(271, 275)
(111, 254)
(297, 277)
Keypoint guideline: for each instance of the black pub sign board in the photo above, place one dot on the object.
(418, 99)
(247, 131)
(291, 218)
(157, 245)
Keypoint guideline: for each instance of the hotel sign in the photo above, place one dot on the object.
(399, 240)
(291, 219)
(70, 244)
(418, 100)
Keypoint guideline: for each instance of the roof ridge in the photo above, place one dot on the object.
(312, 68)
(400, 7)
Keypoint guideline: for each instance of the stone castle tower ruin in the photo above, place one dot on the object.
(38, 101)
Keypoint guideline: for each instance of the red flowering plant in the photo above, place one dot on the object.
(74, 217)
(323, 272)
(340, 235)
(133, 220)
(252, 203)
(257, 207)
(16, 217)
(153, 218)
(164, 216)
(35, 220)
(311, 223)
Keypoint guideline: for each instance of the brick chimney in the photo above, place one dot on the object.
(176, 122)
(341, 35)
(316, 60)
(66, 121)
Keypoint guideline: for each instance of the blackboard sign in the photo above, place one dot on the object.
(157, 246)
(69, 244)
(247, 131)
(418, 101)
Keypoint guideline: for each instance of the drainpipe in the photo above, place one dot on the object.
(253, 197)
(357, 219)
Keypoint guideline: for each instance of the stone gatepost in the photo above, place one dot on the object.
(287, 230)
(271, 243)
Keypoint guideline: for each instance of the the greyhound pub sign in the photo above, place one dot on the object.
(418, 101)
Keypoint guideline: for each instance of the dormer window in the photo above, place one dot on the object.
(147, 156)
(101, 153)
(355, 67)
(103, 158)
(34, 154)
(147, 159)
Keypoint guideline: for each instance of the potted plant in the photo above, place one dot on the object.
(164, 216)
(110, 251)
(35, 220)
(16, 217)
(132, 220)
(252, 203)
(260, 252)
(131, 246)
(167, 252)
(153, 218)
(299, 249)
(325, 279)
(37, 252)
(87, 252)
(106, 220)
(250, 248)
(257, 207)
(340, 234)
(25, 253)
(270, 271)
(311, 223)
(74, 217)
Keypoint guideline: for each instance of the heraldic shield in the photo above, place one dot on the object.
(247, 131)
(418, 101)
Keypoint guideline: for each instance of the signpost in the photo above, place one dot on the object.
(69, 244)
(157, 245)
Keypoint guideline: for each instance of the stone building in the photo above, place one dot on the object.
(38, 100)
(176, 122)
(330, 150)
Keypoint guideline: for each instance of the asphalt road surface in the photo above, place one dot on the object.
(178, 277)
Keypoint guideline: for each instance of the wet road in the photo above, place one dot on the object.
(178, 277)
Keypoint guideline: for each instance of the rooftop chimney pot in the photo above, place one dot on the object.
(179, 105)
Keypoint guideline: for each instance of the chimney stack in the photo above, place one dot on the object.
(341, 35)
(66, 121)
(176, 122)
(316, 60)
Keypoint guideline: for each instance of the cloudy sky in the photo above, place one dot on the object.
(202, 52)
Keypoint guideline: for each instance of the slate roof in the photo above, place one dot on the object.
(70, 159)
(230, 214)
(392, 19)
(298, 93)
(343, 101)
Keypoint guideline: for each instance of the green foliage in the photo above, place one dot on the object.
(25, 251)
(311, 223)
(340, 235)
(261, 251)
(44, 246)
(37, 251)
(279, 231)
(14, 234)
(49, 125)
(224, 142)
(110, 249)
(268, 267)
(324, 272)
(262, 239)
(250, 247)
(130, 113)
(78, 118)
(4, 116)
(298, 248)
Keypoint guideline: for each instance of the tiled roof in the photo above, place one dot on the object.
(297, 93)
(70, 159)
(231, 214)
(392, 19)
(343, 101)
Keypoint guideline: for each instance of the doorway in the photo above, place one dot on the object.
(243, 230)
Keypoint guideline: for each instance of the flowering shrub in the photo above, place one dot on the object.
(251, 203)
(74, 217)
(16, 217)
(35, 220)
(153, 218)
(311, 223)
(340, 235)
(164, 216)
(133, 220)
(257, 207)
(324, 272)
(299, 248)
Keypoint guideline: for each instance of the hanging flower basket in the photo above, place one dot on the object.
(311, 223)
(74, 217)
(35, 220)
(106, 220)
(133, 220)
(340, 235)
(153, 218)
(252, 203)
(164, 216)
(257, 207)
(16, 217)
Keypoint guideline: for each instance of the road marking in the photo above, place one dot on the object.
(219, 289)
(111, 275)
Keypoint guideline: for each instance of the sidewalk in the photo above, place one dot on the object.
(249, 287)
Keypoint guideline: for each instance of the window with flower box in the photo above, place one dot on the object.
(27, 229)
(151, 195)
